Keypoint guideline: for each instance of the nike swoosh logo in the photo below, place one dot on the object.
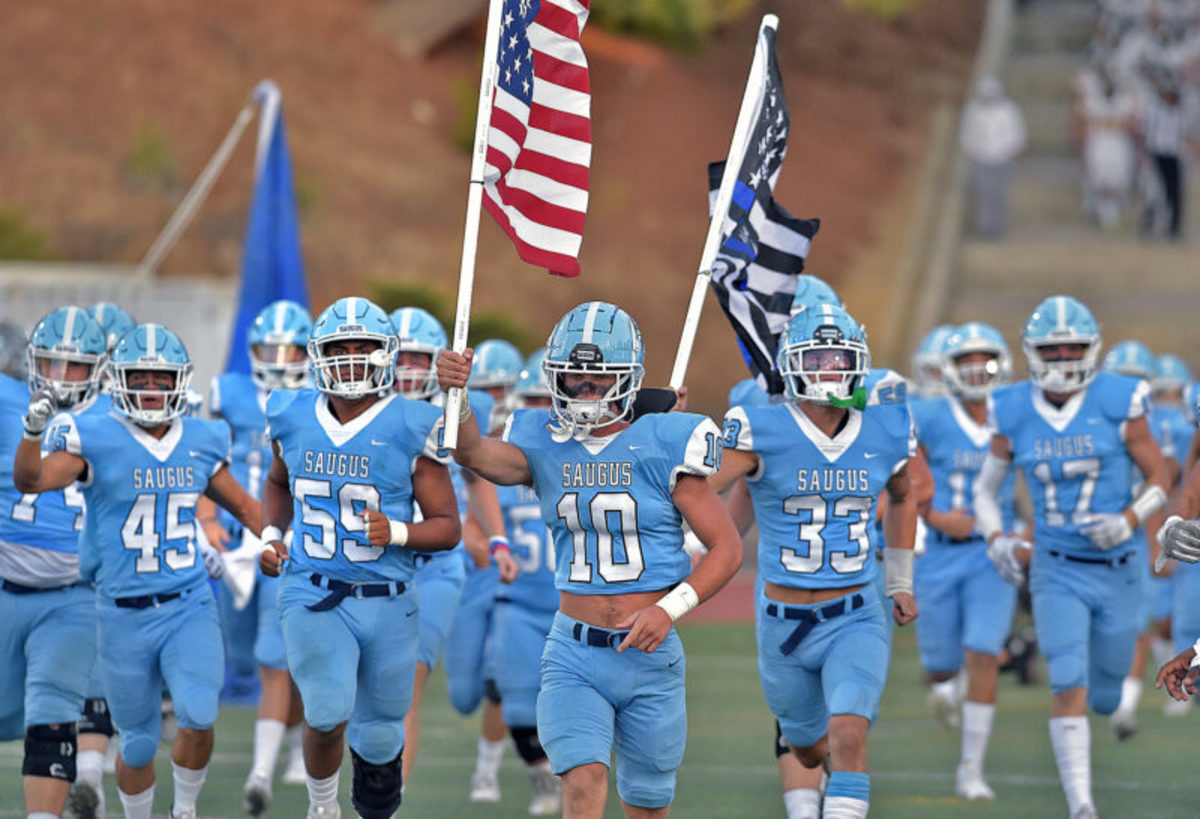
(378, 443)
(194, 454)
(632, 447)
(675, 663)
(870, 454)
(410, 614)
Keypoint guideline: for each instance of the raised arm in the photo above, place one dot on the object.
(32, 472)
(497, 461)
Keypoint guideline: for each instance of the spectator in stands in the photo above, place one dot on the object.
(1167, 127)
(1104, 119)
(993, 134)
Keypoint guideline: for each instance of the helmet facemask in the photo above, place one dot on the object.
(580, 415)
(1065, 375)
(276, 366)
(353, 375)
(824, 371)
(137, 397)
(972, 381)
(49, 369)
(417, 383)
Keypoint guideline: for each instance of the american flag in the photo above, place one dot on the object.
(540, 137)
(763, 247)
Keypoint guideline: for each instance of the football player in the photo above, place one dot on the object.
(277, 342)
(815, 466)
(927, 362)
(142, 469)
(350, 459)
(966, 606)
(614, 494)
(1075, 433)
(48, 611)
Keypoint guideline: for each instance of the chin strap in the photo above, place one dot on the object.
(857, 400)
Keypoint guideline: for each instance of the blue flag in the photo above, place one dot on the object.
(272, 268)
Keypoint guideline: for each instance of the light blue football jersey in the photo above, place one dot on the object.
(481, 407)
(532, 548)
(814, 497)
(1172, 428)
(51, 520)
(955, 447)
(236, 399)
(885, 386)
(607, 501)
(139, 534)
(336, 471)
(1074, 459)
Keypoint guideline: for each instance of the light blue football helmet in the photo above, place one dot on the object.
(1170, 373)
(418, 332)
(927, 362)
(594, 338)
(973, 382)
(354, 375)
(1130, 357)
(64, 337)
(533, 382)
(823, 356)
(1061, 320)
(113, 319)
(496, 367)
(281, 327)
(811, 291)
(150, 347)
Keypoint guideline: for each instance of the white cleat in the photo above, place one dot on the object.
(1084, 811)
(1174, 709)
(547, 792)
(85, 801)
(181, 814)
(295, 774)
(256, 794)
(1123, 724)
(969, 784)
(485, 787)
(330, 811)
(944, 708)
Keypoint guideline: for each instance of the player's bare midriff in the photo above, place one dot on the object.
(605, 610)
(803, 597)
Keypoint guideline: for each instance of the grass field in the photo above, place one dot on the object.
(729, 771)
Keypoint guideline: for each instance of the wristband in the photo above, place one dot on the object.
(464, 408)
(398, 533)
(270, 534)
(1196, 660)
(897, 572)
(1148, 502)
(30, 435)
(679, 601)
(497, 543)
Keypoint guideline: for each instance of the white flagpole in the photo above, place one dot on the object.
(195, 197)
(466, 271)
(751, 100)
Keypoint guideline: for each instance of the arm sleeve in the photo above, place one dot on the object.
(988, 516)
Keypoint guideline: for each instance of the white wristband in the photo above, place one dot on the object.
(464, 408)
(1195, 660)
(897, 572)
(1148, 502)
(270, 534)
(399, 533)
(679, 601)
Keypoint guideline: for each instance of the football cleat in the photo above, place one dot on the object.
(1123, 724)
(547, 791)
(969, 784)
(485, 787)
(84, 801)
(256, 794)
(330, 811)
(944, 704)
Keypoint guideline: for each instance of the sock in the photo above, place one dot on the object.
(976, 729)
(1131, 695)
(487, 760)
(848, 795)
(41, 814)
(322, 791)
(137, 805)
(188, 782)
(295, 737)
(268, 736)
(1071, 738)
(946, 689)
(802, 803)
(89, 767)
(1161, 650)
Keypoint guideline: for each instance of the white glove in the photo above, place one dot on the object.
(42, 407)
(1003, 553)
(1107, 529)
(1180, 539)
(214, 563)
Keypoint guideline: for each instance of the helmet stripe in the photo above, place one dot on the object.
(589, 322)
(405, 329)
(151, 341)
(1060, 306)
(69, 327)
(352, 310)
(280, 314)
(101, 309)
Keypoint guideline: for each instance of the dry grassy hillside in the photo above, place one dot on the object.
(110, 107)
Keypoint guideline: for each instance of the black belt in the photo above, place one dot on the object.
(808, 618)
(1093, 561)
(145, 601)
(339, 590)
(597, 637)
(20, 588)
(503, 599)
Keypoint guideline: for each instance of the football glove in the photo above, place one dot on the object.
(1003, 553)
(1107, 529)
(42, 407)
(1180, 539)
(214, 563)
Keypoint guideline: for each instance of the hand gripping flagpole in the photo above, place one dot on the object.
(751, 101)
(466, 271)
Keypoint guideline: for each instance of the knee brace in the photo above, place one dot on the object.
(375, 793)
(50, 751)
(529, 747)
(96, 719)
(781, 745)
(491, 691)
